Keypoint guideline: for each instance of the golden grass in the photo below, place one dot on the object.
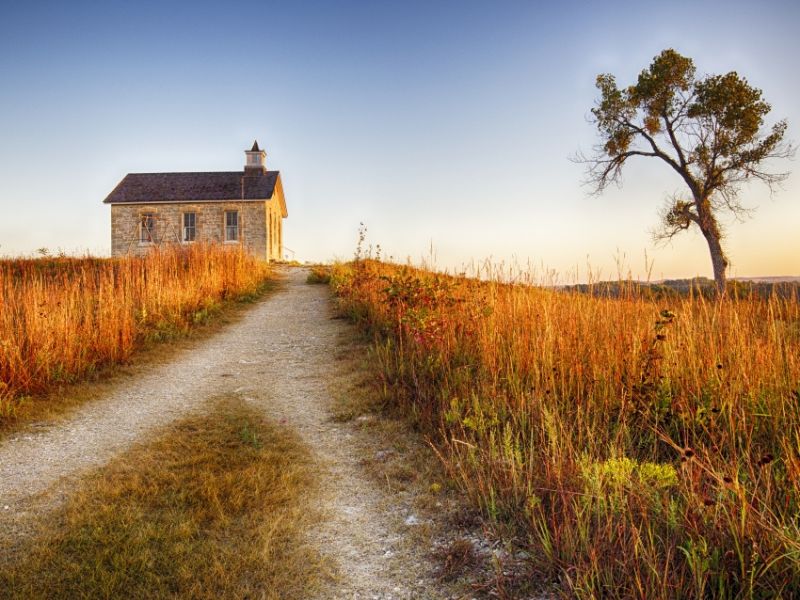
(63, 319)
(214, 508)
(643, 448)
(62, 399)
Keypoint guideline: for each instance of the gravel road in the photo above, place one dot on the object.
(280, 357)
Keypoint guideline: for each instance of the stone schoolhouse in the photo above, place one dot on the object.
(244, 208)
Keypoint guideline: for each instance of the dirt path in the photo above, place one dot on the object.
(280, 357)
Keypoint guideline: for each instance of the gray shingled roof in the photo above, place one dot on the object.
(187, 187)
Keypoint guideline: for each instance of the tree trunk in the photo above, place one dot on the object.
(718, 259)
(707, 222)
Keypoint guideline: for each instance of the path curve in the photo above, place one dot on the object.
(279, 357)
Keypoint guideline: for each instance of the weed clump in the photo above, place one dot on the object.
(319, 274)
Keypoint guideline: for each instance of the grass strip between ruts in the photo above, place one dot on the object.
(214, 507)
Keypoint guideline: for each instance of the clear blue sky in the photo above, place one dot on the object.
(436, 123)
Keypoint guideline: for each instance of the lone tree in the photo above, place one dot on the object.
(709, 130)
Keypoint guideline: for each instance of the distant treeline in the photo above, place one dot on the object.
(698, 286)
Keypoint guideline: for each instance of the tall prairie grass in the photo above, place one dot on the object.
(640, 448)
(63, 318)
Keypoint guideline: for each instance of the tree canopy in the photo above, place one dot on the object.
(710, 130)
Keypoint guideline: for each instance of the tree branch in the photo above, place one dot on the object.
(676, 216)
(604, 171)
(682, 171)
(674, 140)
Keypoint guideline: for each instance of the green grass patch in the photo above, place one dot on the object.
(215, 507)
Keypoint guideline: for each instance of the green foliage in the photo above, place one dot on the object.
(658, 88)
(609, 483)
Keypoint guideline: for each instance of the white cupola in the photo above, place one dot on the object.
(256, 161)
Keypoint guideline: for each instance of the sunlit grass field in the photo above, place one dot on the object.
(637, 447)
(63, 318)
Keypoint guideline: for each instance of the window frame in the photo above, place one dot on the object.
(147, 228)
(185, 228)
(237, 228)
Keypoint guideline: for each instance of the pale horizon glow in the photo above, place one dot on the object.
(439, 125)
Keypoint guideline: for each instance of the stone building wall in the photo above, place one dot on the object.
(210, 225)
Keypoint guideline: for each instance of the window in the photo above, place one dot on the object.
(189, 226)
(231, 225)
(147, 228)
(269, 234)
(273, 233)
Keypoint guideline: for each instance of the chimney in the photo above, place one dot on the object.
(256, 161)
